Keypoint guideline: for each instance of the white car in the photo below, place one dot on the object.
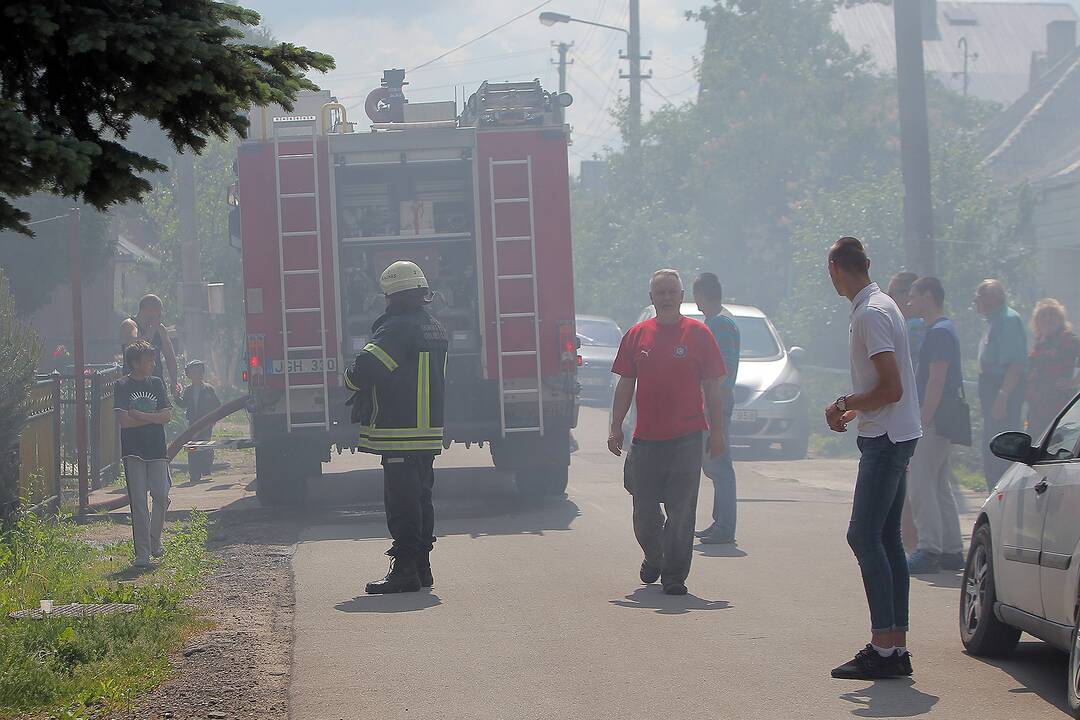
(1023, 569)
(770, 405)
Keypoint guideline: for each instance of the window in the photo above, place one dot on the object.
(598, 332)
(1062, 442)
(756, 339)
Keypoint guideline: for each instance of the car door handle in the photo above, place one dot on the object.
(1041, 486)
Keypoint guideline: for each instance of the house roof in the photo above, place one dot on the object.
(1037, 138)
(1003, 34)
(129, 251)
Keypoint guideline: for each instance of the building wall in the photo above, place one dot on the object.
(1057, 232)
(101, 325)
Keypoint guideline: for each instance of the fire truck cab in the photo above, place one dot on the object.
(479, 198)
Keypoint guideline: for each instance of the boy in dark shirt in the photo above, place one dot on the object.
(142, 409)
(198, 399)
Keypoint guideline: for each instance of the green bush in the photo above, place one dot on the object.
(19, 351)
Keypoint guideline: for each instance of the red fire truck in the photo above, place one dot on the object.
(478, 197)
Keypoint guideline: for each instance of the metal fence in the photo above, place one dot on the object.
(39, 447)
(103, 436)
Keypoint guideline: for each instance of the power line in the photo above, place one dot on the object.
(600, 113)
(590, 68)
(481, 37)
(453, 63)
(662, 95)
(58, 217)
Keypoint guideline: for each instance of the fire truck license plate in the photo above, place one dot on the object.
(306, 365)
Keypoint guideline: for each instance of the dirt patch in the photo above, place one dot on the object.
(239, 668)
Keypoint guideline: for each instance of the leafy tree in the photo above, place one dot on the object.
(791, 125)
(19, 351)
(981, 230)
(786, 106)
(631, 228)
(220, 261)
(75, 76)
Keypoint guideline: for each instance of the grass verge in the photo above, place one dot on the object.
(89, 667)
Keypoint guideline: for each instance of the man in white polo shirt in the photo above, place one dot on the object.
(886, 402)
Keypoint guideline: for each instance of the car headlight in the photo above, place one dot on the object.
(784, 392)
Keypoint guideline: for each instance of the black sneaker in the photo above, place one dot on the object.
(674, 589)
(706, 532)
(905, 663)
(869, 665)
(426, 578)
(952, 561)
(716, 539)
(649, 573)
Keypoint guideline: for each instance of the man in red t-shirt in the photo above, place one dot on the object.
(670, 359)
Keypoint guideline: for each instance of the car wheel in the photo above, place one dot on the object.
(796, 449)
(980, 629)
(1073, 692)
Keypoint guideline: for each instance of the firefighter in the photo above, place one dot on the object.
(398, 382)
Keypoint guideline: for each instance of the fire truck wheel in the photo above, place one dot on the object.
(543, 480)
(279, 480)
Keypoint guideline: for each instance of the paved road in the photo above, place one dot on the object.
(537, 611)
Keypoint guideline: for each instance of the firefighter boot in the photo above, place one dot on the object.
(401, 578)
(423, 566)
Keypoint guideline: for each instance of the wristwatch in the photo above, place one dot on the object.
(841, 403)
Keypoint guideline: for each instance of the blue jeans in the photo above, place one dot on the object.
(722, 473)
(874, 530)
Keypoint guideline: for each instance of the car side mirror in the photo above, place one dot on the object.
(1014, 446)
(797, 355)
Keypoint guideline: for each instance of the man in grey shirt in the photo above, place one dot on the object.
(886, 403)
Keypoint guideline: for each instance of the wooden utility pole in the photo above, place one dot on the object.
(914, 138)
(75, 274)
(194, 292)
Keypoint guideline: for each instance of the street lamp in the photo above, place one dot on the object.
(551, 18)
(633, 54)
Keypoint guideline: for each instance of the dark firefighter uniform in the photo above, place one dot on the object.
(398, 382)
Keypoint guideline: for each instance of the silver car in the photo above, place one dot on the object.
(599, 339)
(770, 405)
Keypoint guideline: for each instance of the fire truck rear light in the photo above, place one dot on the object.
(567, 343)
(244, 376)
(256, 347)
(580, 362)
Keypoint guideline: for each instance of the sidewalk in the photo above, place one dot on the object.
(218, 491)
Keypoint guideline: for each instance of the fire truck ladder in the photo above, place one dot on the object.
(517, 395)
(292, 131)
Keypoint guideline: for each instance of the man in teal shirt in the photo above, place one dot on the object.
(1002, 359)
(708, 295)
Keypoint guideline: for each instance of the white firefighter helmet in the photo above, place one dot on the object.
(402, 275)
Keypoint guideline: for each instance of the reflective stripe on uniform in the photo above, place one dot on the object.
(368, 431)
(423, 390)
(392, 445)
(382, 355)
(349, 383)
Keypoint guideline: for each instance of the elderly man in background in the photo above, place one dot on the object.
(1002, 362)
(669, 359)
